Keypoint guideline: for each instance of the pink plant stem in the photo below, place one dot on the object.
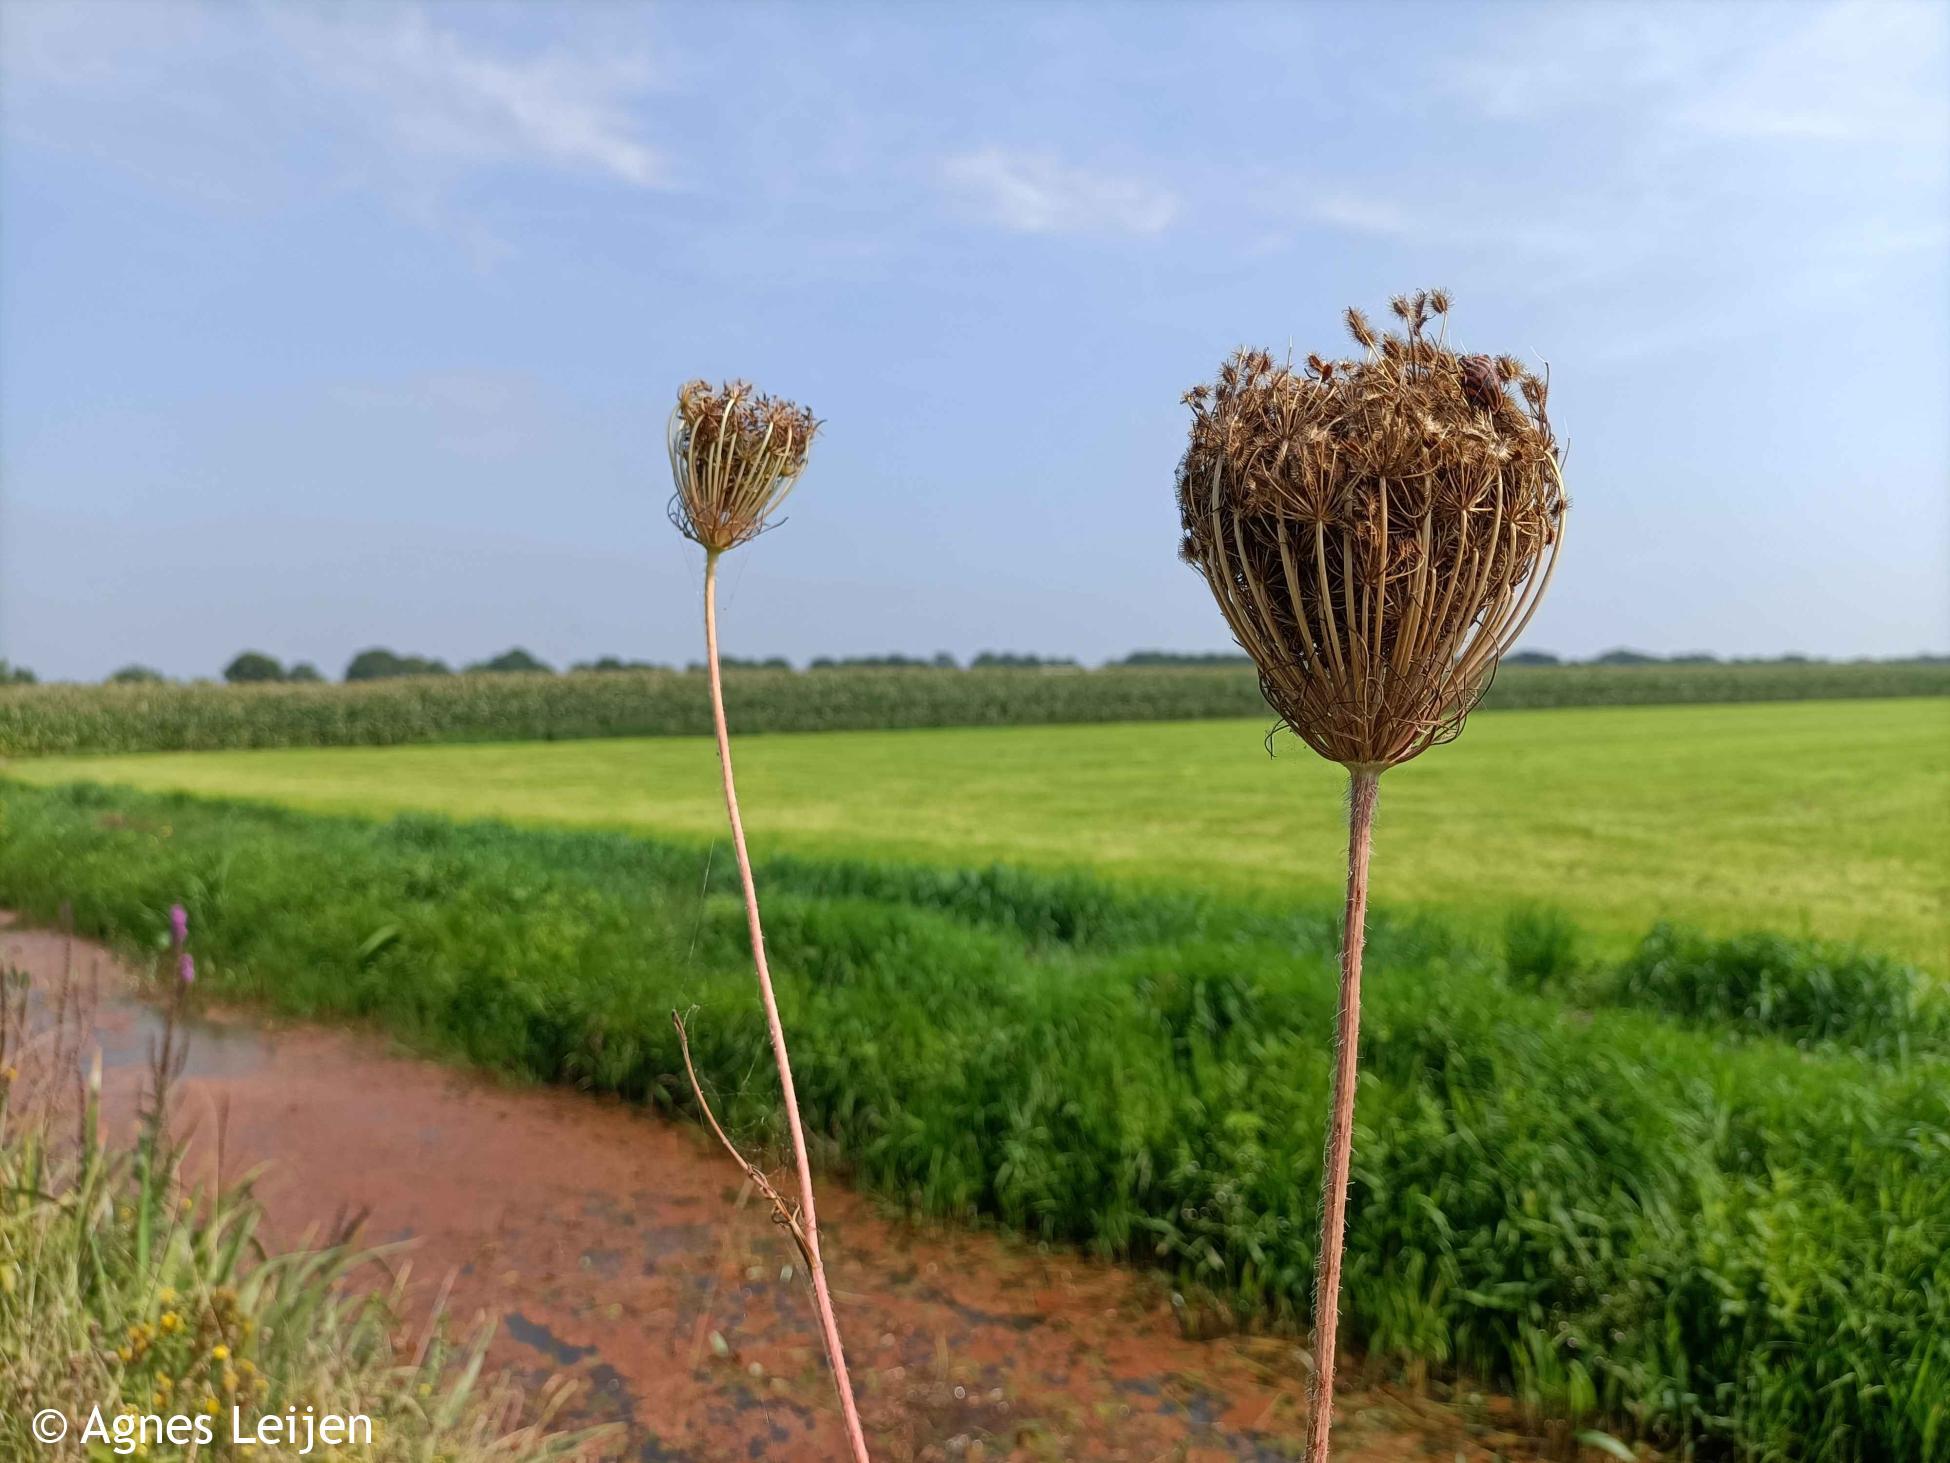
(1363, 788)
(822, 1299)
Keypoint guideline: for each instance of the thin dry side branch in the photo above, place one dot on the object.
(783, 1214)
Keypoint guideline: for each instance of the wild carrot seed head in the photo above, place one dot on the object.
(1377, 530)
(734, 456)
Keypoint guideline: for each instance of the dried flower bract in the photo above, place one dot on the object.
(1377, 530)
(734, 456)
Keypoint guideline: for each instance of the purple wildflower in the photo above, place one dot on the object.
(186, 968)
(179, 925)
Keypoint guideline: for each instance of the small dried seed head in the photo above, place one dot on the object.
(734, 456)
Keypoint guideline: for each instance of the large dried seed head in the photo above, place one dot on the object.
(1377, 532)
(734, 455)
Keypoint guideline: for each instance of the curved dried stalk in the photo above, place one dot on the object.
(806, 1230)
(1377, 533)
(1363, 791)
(734, 456)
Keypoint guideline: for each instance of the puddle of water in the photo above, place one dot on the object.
(131, 1031)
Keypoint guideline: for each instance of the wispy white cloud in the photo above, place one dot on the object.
(1556, 60)
(423, 87)
(1478, 222)
(1366, 215)
(1847, 71)
(1851, 72)
(251, 105)
(1034, 193)
(1740, 161)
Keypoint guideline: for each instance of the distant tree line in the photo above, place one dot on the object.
(255, 665)
(1181, 657)
(1625, 656)
(379, 663)
(942, 661)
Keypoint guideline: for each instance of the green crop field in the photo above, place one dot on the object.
(57, 720)
(1808, 818)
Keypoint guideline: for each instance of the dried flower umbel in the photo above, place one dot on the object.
(1378, 532)
(734, 455)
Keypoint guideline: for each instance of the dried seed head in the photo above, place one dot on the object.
(734, 455)
(1377, 532)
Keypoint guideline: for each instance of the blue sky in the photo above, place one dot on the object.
(327, 326)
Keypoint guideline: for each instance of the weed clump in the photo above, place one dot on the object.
(130, 1298)
(1540, 947)
(1806, 991)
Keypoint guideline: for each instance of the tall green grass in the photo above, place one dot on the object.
(55, 719)
(1718, 1239)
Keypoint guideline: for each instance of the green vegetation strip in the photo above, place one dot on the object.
(143, 717)
(1819, 818)
(1686, 1225)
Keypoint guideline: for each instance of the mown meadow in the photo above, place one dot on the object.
(1702, 1193)
(1731, 817)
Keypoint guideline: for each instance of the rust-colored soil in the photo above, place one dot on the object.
(619, 1248)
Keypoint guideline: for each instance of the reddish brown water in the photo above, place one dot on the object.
(619, 1248)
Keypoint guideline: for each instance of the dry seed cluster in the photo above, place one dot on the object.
(735, 454)
(1377, 530)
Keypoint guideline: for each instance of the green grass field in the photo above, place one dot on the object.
(1810, 818)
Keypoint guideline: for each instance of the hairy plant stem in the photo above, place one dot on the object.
(808, 1222)
(1363, 789)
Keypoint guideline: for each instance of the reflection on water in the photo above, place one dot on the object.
(130, 1031)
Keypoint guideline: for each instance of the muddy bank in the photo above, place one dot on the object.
(620, 1248)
